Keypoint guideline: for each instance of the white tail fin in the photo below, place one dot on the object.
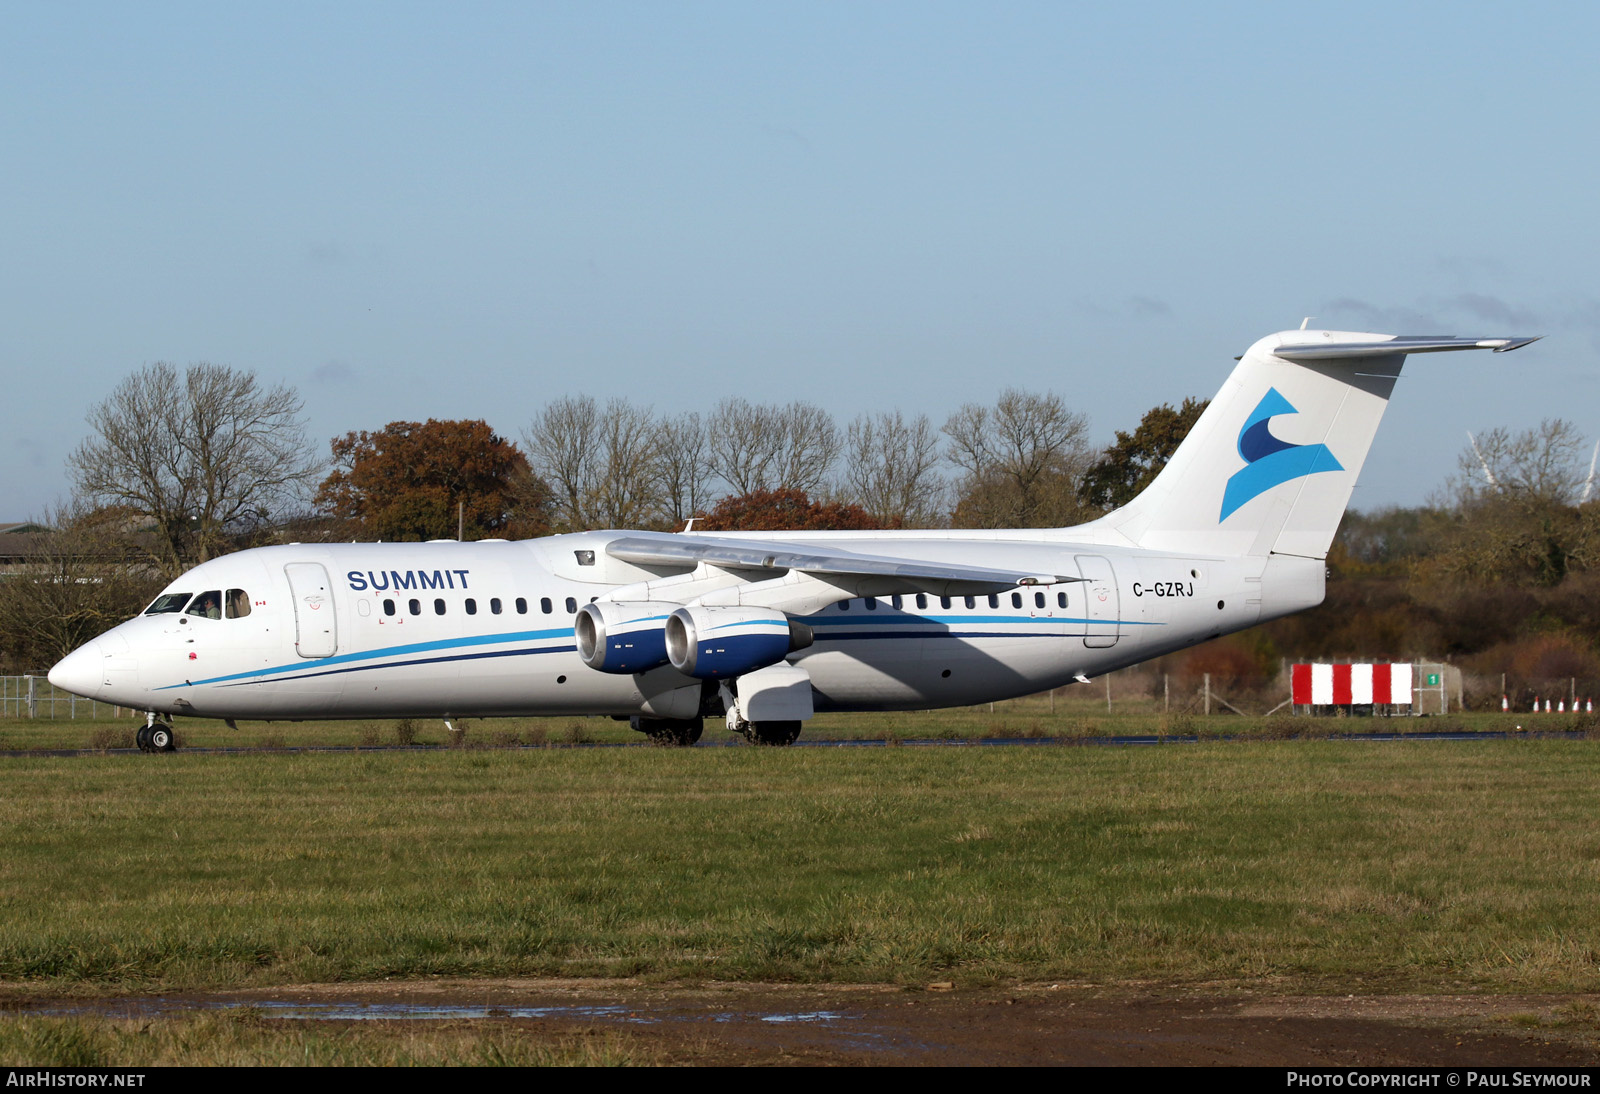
(1269, 467)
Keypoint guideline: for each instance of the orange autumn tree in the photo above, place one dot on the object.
(407, 480)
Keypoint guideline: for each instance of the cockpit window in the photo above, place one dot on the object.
(207, 605)
(238, 603)
(168, 602)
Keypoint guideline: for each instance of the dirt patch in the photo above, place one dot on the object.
(732, 1023)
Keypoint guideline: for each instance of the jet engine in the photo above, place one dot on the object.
(713, 643)
(622, 638)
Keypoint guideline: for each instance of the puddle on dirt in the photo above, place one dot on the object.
(840, 1028)
(357, 1011)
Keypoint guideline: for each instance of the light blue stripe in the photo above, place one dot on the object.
(386, 651)
(902, 620)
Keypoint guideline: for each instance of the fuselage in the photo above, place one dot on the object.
(312, 631)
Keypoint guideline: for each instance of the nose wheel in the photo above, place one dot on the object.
(156, 737)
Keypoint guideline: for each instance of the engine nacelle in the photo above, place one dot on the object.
(715, 643)
(622, 638)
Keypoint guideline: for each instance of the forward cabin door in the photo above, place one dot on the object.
(316, 631)
(1103, 608)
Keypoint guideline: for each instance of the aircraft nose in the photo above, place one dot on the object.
(81, 671)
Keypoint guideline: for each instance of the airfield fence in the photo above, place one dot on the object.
(37, 697)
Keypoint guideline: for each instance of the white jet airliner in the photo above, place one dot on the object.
(767, 628)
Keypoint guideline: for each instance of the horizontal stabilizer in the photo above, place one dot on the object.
(1315, 351)
(690, 550)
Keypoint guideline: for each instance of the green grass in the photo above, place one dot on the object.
(245, 1038)
(1035, 716)
(1310, 865)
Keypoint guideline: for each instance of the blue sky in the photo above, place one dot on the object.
(410, 211)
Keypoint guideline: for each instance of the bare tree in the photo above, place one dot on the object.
(629, 493)
(561, 444)
(201, 457)
(890, 468)
(604, 467)
(685, 467)
(1546, 464)
(770, 447)
(1023, 460)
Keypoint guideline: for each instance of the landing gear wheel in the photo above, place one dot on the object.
(161, 738)
(774, 733)
(669, 732)
(142, 738)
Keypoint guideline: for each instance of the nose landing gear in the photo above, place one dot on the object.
(155, 736)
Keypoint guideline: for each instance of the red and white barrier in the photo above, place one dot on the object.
(1350, 685)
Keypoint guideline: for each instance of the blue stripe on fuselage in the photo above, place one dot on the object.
(929, 627)
(386, 651)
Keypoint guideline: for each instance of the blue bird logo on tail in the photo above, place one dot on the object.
(1268, 460)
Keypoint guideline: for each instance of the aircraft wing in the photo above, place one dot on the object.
(747, 554)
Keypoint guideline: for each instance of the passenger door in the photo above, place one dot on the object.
(316, 630)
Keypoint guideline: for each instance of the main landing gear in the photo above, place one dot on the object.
(764, 733)
(669, 732)
(772, 733)
(155, 736)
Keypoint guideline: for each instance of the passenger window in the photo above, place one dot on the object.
(438, 607)
(1038, 600)
(944, 602)
(207, 605)
(970, 602)
(545, 606)
(994, 600)
(522, 606)
(844, 605)
(1016, 600)
(167, 603)
(388, 607)
(238, 603)
(472, 606)
(572, 606)
(896, 601)
(416, 607)
(1061, 599)
(494, 604)
(870, 603)
(922, 600)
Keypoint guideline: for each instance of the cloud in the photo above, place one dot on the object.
(1464, 312)
(31, 450)
(1138, 307)
(1495, 310)
(788, 136)
(1144, 307)
(1469, 269)
(333, 372)
(1356, 314)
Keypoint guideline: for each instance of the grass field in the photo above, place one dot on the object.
(1076, 713)
(1311, 866)
(246, 1038)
